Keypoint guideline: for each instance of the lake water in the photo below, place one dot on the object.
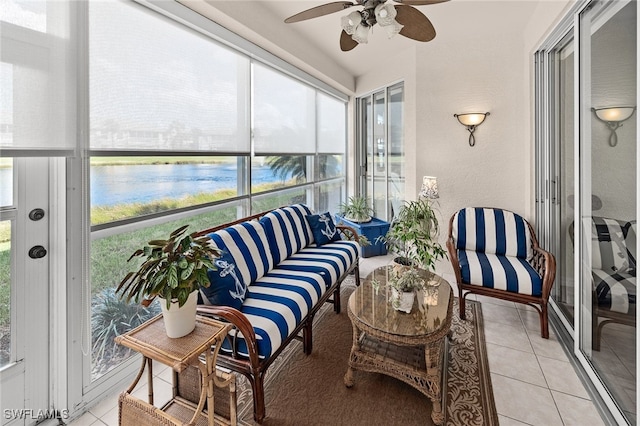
(126, 184)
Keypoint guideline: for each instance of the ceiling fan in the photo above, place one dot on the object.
(403, 19)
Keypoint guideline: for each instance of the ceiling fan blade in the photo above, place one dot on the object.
(416, 25)
(346, 42)
(321, 10)
(420, 2)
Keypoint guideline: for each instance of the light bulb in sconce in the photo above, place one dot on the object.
(613, 118)
(471, 121)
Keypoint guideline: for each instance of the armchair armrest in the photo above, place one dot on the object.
(240, 324)
(545, 264)
(453, 257)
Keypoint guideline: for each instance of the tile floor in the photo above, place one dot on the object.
(533, 381)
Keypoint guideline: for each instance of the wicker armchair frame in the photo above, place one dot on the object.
(543, 262)
(254, 368)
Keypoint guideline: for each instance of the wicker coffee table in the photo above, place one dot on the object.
(410, 347)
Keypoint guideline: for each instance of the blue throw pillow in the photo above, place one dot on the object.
(323, 228)
(227, 287)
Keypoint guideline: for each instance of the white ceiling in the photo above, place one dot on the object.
(262, 22)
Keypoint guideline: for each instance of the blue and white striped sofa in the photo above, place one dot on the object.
(494, 252)
(288, 278)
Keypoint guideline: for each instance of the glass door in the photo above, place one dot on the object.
(24, 291)
(381, 144)
(607, 189)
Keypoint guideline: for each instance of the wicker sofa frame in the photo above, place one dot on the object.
(254, 368)
(543, 262)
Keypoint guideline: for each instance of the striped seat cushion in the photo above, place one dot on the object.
(615, 291)
(277, 302)
(609, 250)
(248, 246)
(508, 273)
(287, 230)
(492, 231)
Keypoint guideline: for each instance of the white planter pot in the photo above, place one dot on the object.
(180, 321)
(403, 300)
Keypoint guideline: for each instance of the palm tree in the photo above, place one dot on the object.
(294, 166)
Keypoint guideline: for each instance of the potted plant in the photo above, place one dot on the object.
(174, 270)
(404, 285)
(356, 209)
(413, 237)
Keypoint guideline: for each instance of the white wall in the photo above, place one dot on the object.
(480, 61)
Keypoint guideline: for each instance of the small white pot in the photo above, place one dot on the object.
(180, 321)
(403, 300)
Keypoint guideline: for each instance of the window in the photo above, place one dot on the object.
(197, 136)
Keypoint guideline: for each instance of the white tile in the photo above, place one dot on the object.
(530, 319)
(499, 313)
(111, 418)
(550, 347)
(507, 421)
(511, 336)
(576, 411)
(515, 364)
(562, 377)
(86, 419)
(105, 405)
(162, 392)
(524, 402)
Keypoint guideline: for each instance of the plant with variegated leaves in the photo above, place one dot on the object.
(172, 268)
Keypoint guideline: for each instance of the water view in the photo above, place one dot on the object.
(126, 184)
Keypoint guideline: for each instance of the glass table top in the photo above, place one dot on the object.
(371, 303)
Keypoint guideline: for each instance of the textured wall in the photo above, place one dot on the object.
(480, 61)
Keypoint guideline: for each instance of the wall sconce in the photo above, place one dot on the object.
(429, 187)
(613, 118)
(471, 121)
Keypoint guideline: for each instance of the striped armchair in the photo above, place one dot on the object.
(494, 252)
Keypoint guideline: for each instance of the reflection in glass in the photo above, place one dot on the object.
(329, 195)
(608, 203)
(5, 292)
(396, 180)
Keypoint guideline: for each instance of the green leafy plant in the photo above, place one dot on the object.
(408, 279)
(413, 235)
(356, 209)
(172, 268)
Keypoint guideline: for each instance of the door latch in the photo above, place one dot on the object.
(36, 214)
(37, 252)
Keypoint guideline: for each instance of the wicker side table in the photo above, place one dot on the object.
(200, 349)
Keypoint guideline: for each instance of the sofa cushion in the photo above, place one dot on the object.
(609, 251)
(615, 291)
(323, 228)
(508, 273)
(277, 302)
(226, 285)
(492, 231)
(248, 246)
(287, 231)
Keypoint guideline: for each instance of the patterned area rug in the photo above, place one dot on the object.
(309, 390)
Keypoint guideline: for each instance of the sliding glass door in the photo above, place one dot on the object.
(586, 190)
(381, 147)
(608, 187)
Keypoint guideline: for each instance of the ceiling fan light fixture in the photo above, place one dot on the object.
(351, 22)
(393, 29)
(361, 34)
(385, 14)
